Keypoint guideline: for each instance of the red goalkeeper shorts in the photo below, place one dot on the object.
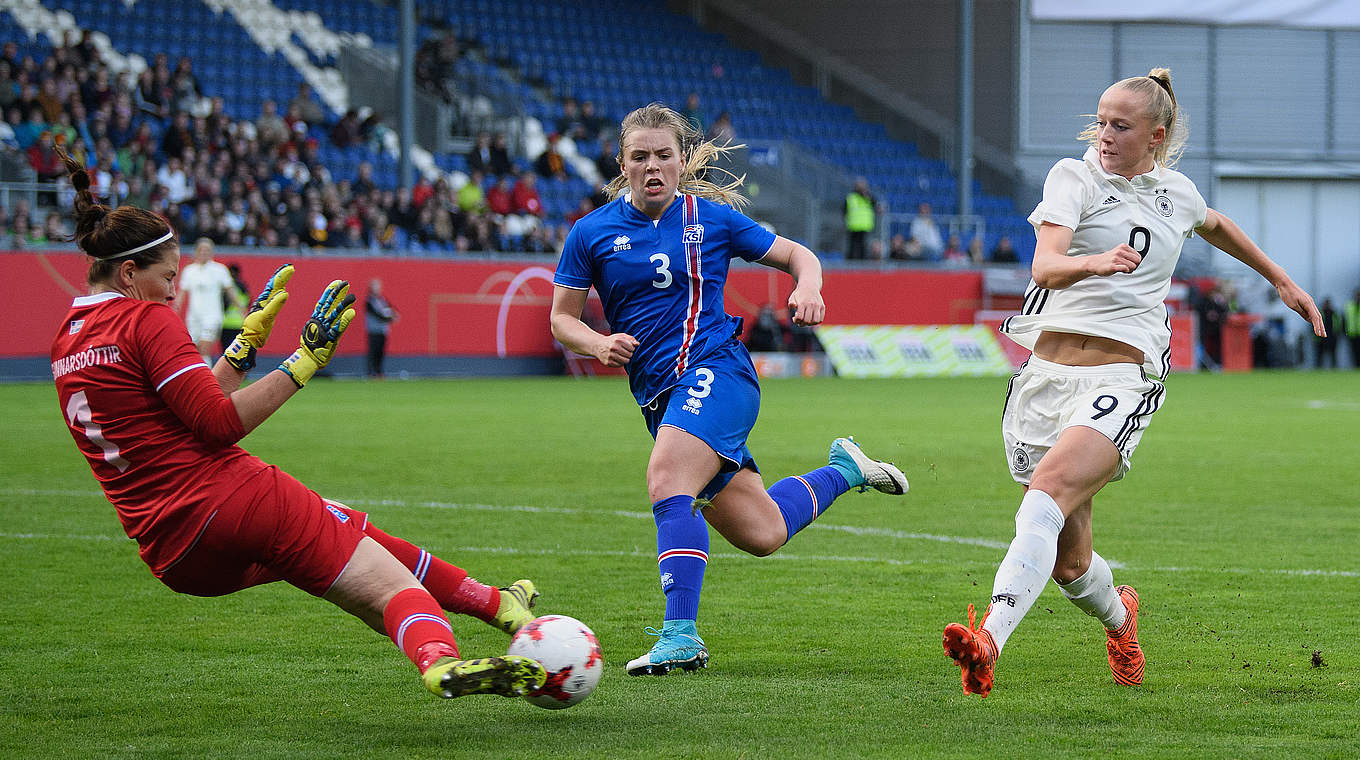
(268, 529)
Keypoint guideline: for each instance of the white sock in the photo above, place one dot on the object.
(1027, 566)
(1094, 594)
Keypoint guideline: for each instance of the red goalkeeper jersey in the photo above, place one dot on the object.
(150, 417)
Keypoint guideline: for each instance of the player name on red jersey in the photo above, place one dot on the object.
(87, 358)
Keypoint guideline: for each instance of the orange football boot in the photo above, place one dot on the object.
(974, 650)
(1126, 656)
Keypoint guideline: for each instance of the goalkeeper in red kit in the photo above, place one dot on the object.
(159, 428)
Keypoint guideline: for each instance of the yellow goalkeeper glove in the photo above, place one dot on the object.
(330, 318)
(259, 321)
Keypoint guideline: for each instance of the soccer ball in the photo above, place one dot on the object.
(570, 653)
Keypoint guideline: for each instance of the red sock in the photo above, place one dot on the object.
(449, 584)
(418, 627)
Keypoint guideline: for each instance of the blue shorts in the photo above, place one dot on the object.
(717, 401)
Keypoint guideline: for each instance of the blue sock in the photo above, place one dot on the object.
(802, 498)
(682, 555)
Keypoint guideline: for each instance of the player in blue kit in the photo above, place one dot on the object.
(658, 255)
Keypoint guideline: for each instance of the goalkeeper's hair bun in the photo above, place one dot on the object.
(106, 234)
(80, 179)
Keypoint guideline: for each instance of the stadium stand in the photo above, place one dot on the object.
(534, 53)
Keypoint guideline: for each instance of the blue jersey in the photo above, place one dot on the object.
(662, 282)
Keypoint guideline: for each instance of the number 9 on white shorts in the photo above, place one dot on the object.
(1045, 398)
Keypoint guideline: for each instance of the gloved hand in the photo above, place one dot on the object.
(330, 318)
(259, 320)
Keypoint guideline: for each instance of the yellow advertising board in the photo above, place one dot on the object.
(914, 351)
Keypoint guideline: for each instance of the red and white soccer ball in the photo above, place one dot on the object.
(570, 653)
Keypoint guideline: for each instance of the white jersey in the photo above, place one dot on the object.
(1153, 213)
(204, 283)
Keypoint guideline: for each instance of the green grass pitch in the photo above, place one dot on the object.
(1238, 525)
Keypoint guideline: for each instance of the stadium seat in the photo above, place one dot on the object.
(549, 41)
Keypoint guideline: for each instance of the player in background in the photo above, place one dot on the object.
(206, 283)
(1110, 229)
(159, 429)
(379, 314)
(658, 255)
(235, 312)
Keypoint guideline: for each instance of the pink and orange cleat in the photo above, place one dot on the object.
(1126, 656)
(975, 652)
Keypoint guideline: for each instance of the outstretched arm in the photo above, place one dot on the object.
(1224, 234)
(255, 402)
(321, 333)
(806, 299)
(611, 350)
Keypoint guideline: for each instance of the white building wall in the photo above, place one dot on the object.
(1284, 99)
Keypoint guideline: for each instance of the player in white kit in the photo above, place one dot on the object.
(205, 282)
(1110, 229)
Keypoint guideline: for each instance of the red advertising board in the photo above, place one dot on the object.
(479, 307)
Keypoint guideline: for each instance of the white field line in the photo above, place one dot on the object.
(576, 552)
(1344, 406)
(851, 529)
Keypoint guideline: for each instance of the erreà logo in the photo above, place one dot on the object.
(76, 324)
(694, 234)
(621, 243)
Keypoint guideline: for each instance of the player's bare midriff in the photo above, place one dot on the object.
(1084, 350)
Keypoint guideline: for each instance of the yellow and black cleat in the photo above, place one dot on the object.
(517, 601)
(508, 676)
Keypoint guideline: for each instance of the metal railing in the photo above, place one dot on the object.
(963, 226)
(441, 126)
(12, 192)
(369, 74)
(792, 190)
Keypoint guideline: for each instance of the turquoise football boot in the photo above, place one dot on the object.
(678, 646)
(864, 473)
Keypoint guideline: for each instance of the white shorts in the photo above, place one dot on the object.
(1044, 399)
(203, 326)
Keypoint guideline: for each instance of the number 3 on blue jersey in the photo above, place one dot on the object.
(663, 268)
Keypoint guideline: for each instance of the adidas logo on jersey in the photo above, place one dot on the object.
(621, 243)
(1110, 201)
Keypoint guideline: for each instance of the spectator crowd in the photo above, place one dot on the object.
(158, 141)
